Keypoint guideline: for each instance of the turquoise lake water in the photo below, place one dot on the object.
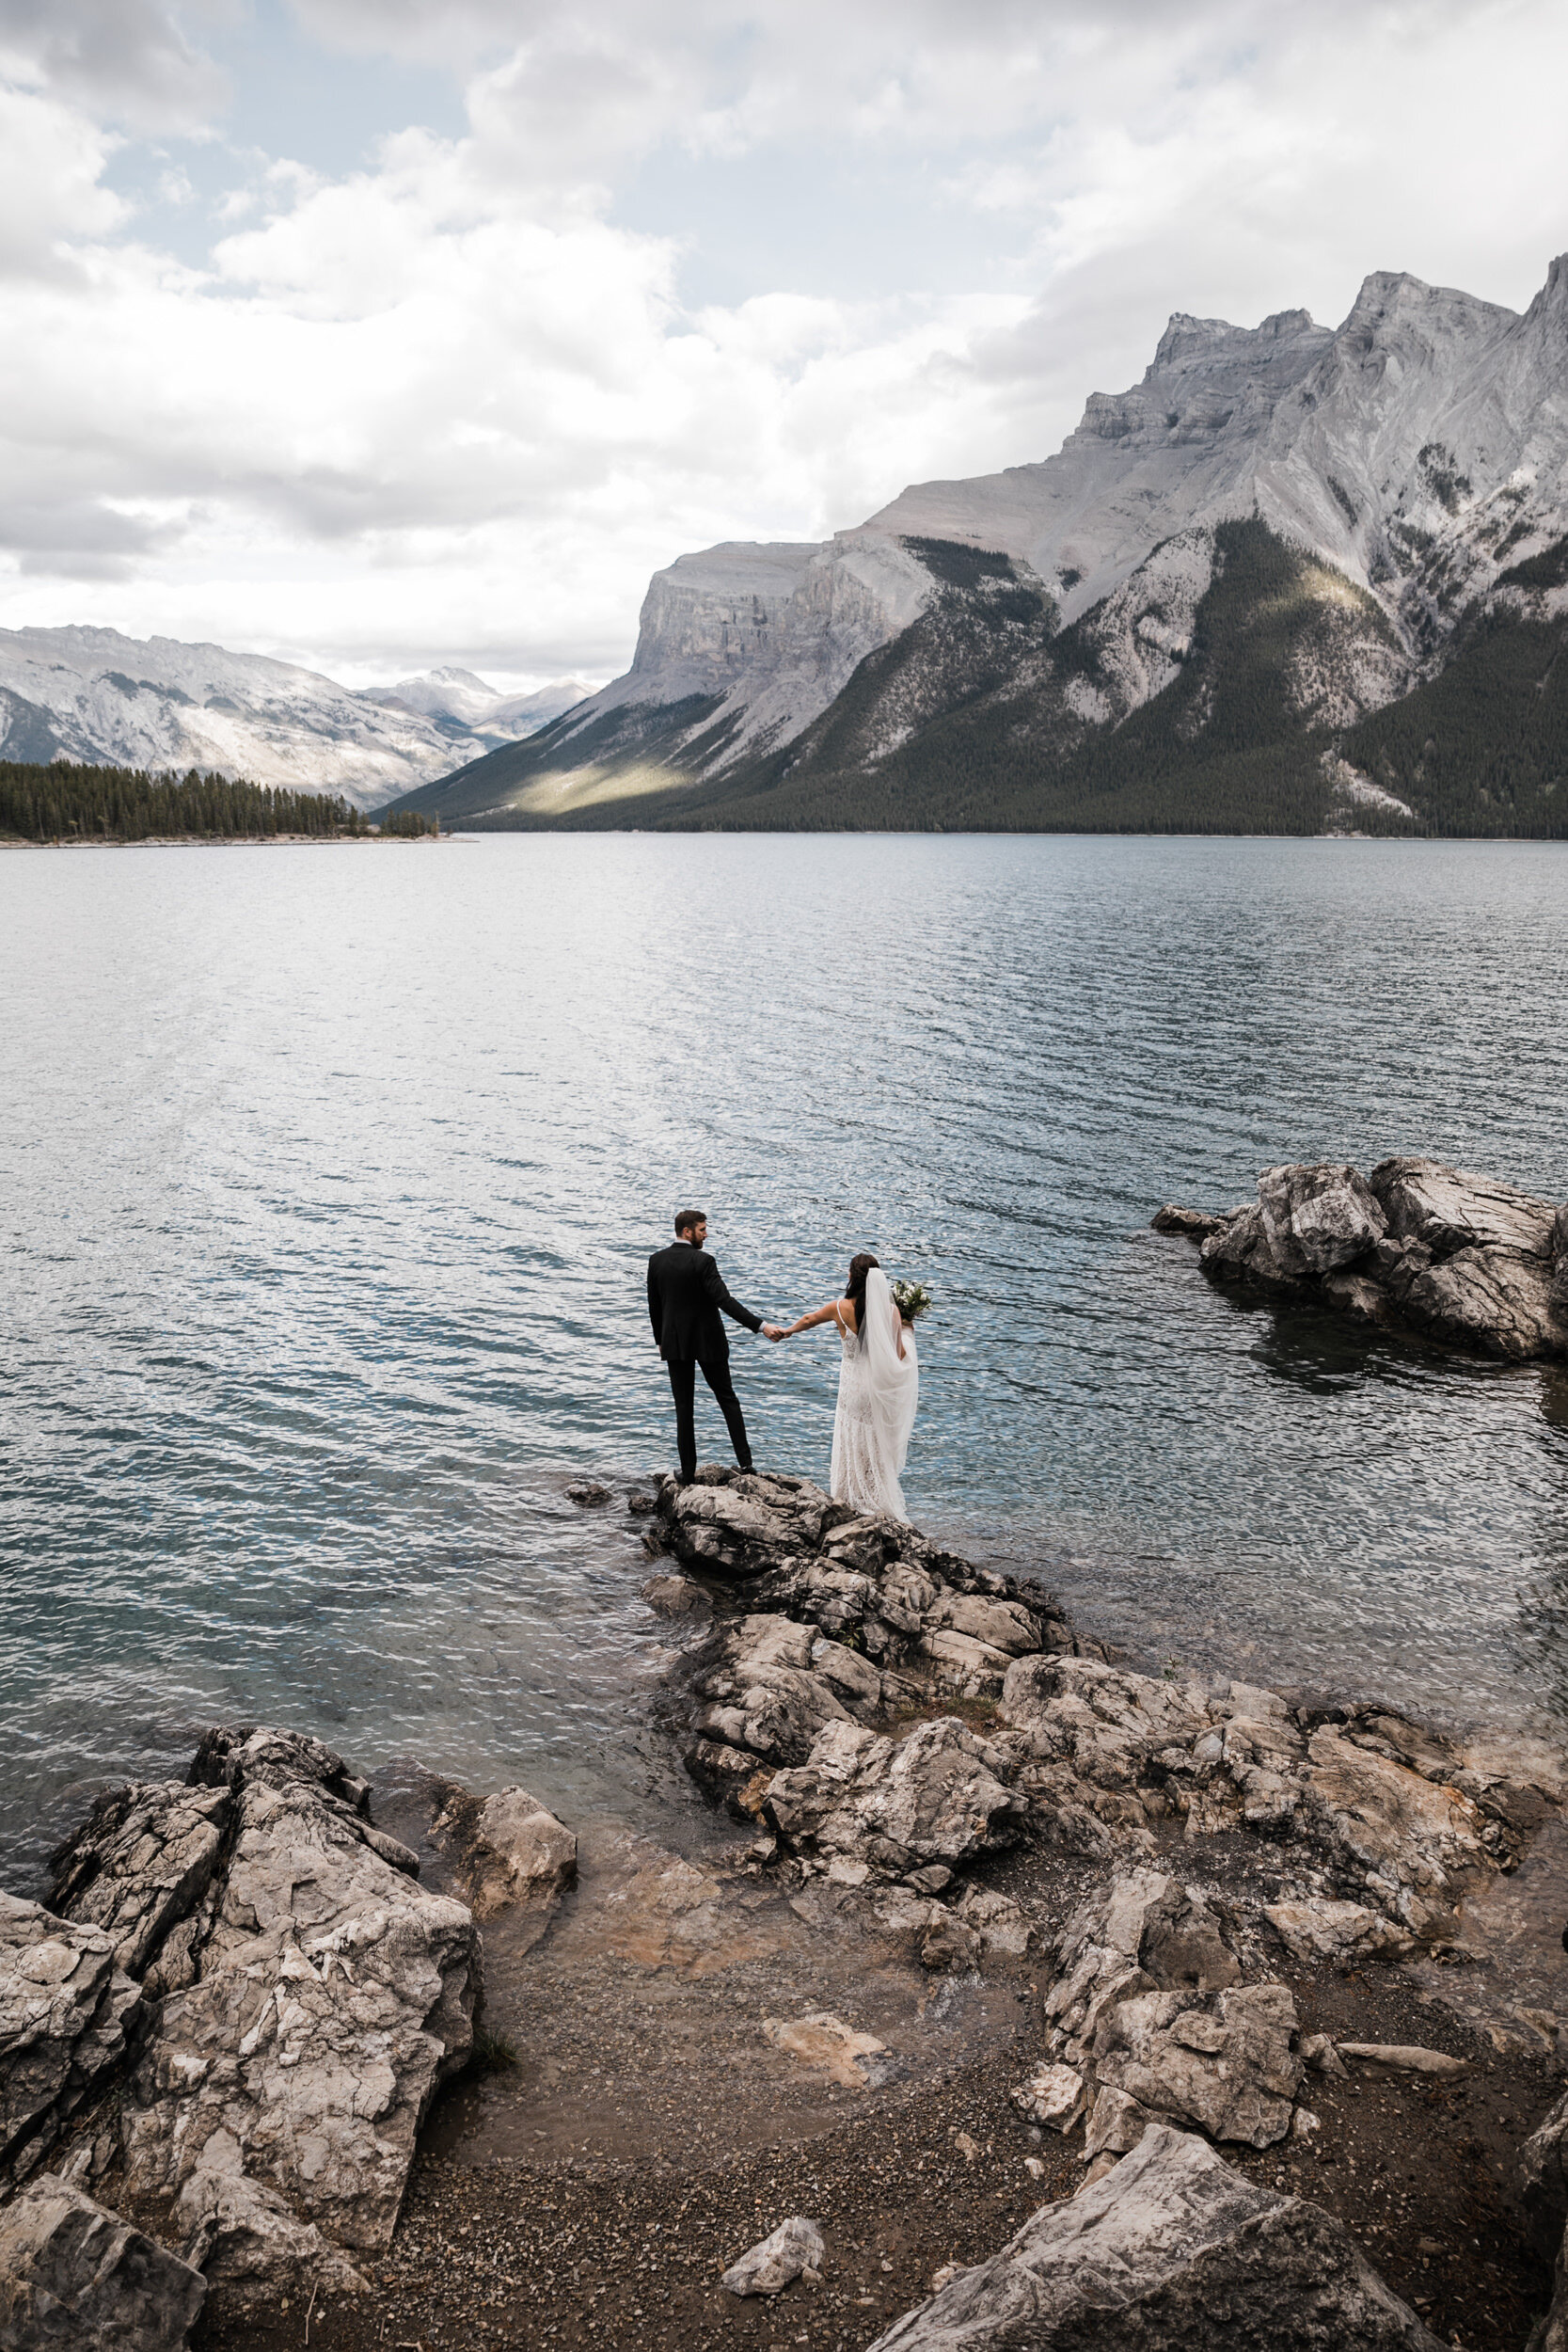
(330, 1174)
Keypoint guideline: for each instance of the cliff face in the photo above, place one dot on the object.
(1400, 477)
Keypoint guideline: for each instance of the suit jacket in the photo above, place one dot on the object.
(686, 1298)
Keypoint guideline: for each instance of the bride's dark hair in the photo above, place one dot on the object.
(858, 1268)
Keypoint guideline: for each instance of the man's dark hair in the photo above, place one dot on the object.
(685, 1218)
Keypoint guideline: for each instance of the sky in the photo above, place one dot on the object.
(383, 334)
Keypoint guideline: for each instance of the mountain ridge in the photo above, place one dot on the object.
(1404, 468)
(99, 697)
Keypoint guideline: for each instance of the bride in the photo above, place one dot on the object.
(878, 1387)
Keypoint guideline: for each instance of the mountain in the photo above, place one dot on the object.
(1297, 578)
(463, 703)
(91, 695)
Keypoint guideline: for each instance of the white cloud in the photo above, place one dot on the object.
(454, 406)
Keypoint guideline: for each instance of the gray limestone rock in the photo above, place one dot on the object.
(1499, 1300)
(65, 2008)
(75, 2278)
(273, 2111)
(758, 1691)
(1414, 1842)
(1172, 2252)
(139, 1864)
(1447, 1209)
(1319, 1218)
(769, 2268)
(937, 1795)
(1221, 2061)
(509, 1851)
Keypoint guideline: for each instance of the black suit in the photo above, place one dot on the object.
(686, 1300)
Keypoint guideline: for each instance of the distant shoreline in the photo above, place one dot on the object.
(222, 841)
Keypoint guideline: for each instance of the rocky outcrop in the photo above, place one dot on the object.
(65, 2010)
(271, 2115)
(769, 2268)
(830, 1632)
(298, 1997)
(75, 2278)
(1153, 2256)
(1148, 2020)
(1418, 1247)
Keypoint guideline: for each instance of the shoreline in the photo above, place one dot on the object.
(229, 841)
(685, 2040)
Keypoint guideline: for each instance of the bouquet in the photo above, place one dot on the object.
(911, 1298)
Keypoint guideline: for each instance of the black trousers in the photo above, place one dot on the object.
(683, 1385)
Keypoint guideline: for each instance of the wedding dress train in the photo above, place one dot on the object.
(877, 1392)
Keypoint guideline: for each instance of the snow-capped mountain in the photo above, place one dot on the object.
(1390, 488)
(91, 695)
(467, 703)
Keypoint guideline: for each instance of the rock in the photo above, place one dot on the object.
(1192, 1224)
(1416, 1842)
(1053, 2095)
(1106, 1724)
(676, 1596)
(510, 1849)
(949, 1944)
(1317, 1929)
(1319, 1218)
(273, 2110)
(1140, 1932)
(588, 1493)
(642, 1504)
(997, 1920)
(1446, 1209)
(75, 2278)
(758, 1691)
(794, 2246)
(139, 1864)
(65, 2008)
(1461, 1258)
(937, 1795)
(827, 2044)
(1150, 2257)
(1407, 2058)
(1497, 1301)
(1222, 2061)
(1317, 2051)
(1543, 2178)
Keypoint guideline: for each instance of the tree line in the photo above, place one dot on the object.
(66, 803)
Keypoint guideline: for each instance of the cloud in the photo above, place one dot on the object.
(457, 403)
(128, 60)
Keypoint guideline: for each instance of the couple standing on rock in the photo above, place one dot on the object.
(878, 1380)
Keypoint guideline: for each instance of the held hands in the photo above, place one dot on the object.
(774, 1331)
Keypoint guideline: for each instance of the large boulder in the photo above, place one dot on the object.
(1462, 1259)
(939, 1795)
(1173, 2251)
(1319, 1218)
(75, 2278)
(1222, 2061)
(1500, 1301)
(314, 2000)
(1447, 1209)
(65, 2008)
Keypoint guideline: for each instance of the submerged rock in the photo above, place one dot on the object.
(1418, 1246)
(75, 2278)
(1148, 2259)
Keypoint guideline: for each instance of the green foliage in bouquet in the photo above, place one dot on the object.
(911, 1299)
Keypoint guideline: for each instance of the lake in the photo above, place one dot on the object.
(331, 1171)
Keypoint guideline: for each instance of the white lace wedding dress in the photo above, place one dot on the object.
(877, 1392)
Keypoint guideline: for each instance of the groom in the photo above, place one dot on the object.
(686, 1298)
